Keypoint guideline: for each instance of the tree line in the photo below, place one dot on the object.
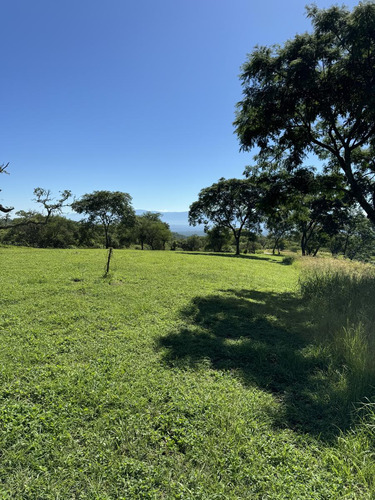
(261, 211)
(314, 95)
(108, 220)
(281, 209)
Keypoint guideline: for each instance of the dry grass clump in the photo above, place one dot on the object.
(340, 295)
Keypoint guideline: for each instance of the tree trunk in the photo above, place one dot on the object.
(316, 251)
(110, 251)
(107, 238)
(346, 244)
(277, 244)
(237, 238)
(106, 233)
(346, 165)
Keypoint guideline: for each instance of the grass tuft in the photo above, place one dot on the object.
(340, 296)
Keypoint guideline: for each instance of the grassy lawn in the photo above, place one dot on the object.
(178, 376)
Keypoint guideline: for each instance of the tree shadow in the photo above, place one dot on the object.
(232, 255)
(250, 334)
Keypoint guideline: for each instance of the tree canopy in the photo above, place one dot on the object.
(316, 94)
(106, 208)
(150, 229)
(315, 205)
(229, 203)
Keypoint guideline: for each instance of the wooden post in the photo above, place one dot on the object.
(110, 251)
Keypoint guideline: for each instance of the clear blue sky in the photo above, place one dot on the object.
(135, 96)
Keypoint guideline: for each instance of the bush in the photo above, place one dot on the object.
(288, 260)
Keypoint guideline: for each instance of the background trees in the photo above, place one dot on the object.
(60, 232)
(230, 203)
(355, 238)
(317, 94)
(106, 208)
(218, 238)
(151, 230)
(50, 206)
(192, 243)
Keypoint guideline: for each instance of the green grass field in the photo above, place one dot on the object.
(177, 376)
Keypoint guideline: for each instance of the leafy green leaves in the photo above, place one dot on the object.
(316, 93)
(107, 208)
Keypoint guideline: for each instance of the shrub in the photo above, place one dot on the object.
(288, 260)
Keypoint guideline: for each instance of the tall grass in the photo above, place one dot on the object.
(341, 296)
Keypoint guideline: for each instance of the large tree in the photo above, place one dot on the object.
(229, 203)
(106, 208)
(316, 94)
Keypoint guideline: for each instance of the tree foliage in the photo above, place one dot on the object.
(151, 230)
(315, 205)
(356, 237)
(60, 232)
(316, 94)
(192, 243)
(218, 238)
(50, 207)
(106, 208)
(229, 203)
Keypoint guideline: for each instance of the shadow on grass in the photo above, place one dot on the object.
(262, 337)
(232, 256)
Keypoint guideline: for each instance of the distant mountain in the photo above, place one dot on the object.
(178, 222)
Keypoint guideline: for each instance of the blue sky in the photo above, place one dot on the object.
(135, 96)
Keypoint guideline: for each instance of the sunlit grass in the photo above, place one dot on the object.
(176, 376)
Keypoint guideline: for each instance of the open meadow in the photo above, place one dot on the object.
(179, 375)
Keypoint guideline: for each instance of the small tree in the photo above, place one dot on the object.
(218, 238)
(151, 230)
(106, 208)
(275, 202)
(230, 203)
